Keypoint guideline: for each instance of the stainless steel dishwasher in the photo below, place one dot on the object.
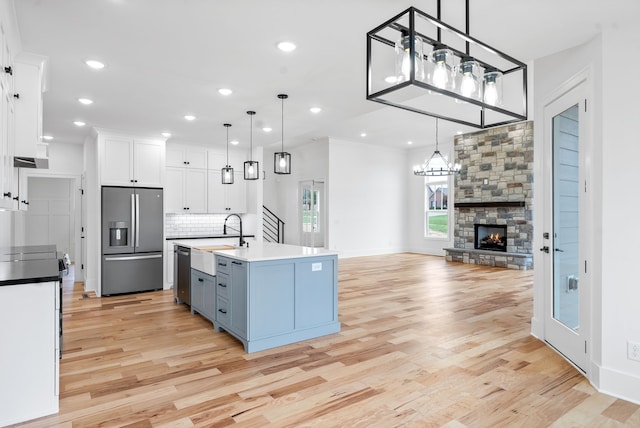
(183, 274)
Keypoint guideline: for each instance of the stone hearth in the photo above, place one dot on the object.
(495, 186)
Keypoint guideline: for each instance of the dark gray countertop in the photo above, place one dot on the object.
(28, 264)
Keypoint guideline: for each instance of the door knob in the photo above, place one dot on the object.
(545, 249)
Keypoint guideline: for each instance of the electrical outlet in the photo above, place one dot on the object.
(633, 350)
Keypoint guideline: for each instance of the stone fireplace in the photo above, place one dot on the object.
(494, 190)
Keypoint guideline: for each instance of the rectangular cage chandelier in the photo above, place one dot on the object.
(419, 63)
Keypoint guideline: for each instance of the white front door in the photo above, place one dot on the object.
(566, 239)
(312, 213)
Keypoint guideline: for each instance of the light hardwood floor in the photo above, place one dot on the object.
(423, 343)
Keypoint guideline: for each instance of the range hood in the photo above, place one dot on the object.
(28, 162)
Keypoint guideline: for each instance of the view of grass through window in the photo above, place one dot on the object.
(436, 207)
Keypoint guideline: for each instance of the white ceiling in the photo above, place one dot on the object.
(168, 58)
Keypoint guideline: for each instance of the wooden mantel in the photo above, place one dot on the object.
(504, 204)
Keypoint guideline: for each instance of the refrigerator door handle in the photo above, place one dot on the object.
(137, 220)
(118, 258)
(133, 219)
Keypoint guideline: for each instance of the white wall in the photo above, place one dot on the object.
(415, 187)
(367, 199)
(620, 204)
(614, 290)
(308, 162)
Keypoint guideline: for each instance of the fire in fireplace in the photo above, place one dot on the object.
(492, 237)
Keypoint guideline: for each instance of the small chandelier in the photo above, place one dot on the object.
(417, 62)
(227, 171)
(282, 160)
(437, 164)
(251, 167)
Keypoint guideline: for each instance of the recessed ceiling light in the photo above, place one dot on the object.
(166, 134)
(189, 117)
(267, 129)
(234, 142)
(409, 142)
(225, 91)
(79, 123)
(315, 109)
(47, 137)
(286, 46)
(391, 79)
(85, 101)
(459, 132)
(97, 65)
(364, 134)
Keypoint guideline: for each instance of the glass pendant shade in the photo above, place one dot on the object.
(227, 171)
(251, 167)
(440, 68)
(282, 159)
(282, 163)
(251, 170)
(403, 58)
(469, 79)
(493, 87)
(227, 175)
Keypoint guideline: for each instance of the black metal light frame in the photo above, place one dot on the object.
(251, 167)
(282, 157)
(510, 67)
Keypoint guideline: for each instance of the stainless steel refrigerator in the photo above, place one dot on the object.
(132, 241)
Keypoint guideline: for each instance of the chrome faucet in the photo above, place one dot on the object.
(224, 229)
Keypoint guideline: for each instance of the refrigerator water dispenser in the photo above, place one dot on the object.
(118, 232)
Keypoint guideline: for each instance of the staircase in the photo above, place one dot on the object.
(272, 226)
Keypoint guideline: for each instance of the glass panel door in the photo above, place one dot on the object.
(566, 218)
(312, 213)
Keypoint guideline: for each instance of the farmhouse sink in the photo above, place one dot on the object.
(203, 259)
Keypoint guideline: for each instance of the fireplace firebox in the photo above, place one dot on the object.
(492, 237)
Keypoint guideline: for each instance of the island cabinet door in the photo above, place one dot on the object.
(238, 302)
(316, 292)
(271, 299)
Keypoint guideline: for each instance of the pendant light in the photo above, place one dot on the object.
(437, 164)
(469, 78)
(251, 167)
(227, 171)
(440, 66)
(282, 160)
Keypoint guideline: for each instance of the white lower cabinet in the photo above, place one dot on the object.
(29, 364)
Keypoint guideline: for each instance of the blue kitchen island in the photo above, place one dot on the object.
(270, 295)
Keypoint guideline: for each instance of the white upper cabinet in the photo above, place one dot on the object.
(129, 161)
(186, 190)
(218, 159)
(226, 198)
(29, 75)
(186, 156)
(7, 122)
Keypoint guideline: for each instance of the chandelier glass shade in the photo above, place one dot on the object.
(251, 167)
(227, 171)
(437, 164)
(417, 62)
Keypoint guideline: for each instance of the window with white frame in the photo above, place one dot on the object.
(436, 207)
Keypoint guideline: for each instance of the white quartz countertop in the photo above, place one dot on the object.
(261, 251)
(257, 251)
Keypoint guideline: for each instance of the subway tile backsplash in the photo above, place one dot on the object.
(197, 225)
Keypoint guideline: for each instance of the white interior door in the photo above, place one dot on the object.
(566, 309)
(50, 217)
(312, 213)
